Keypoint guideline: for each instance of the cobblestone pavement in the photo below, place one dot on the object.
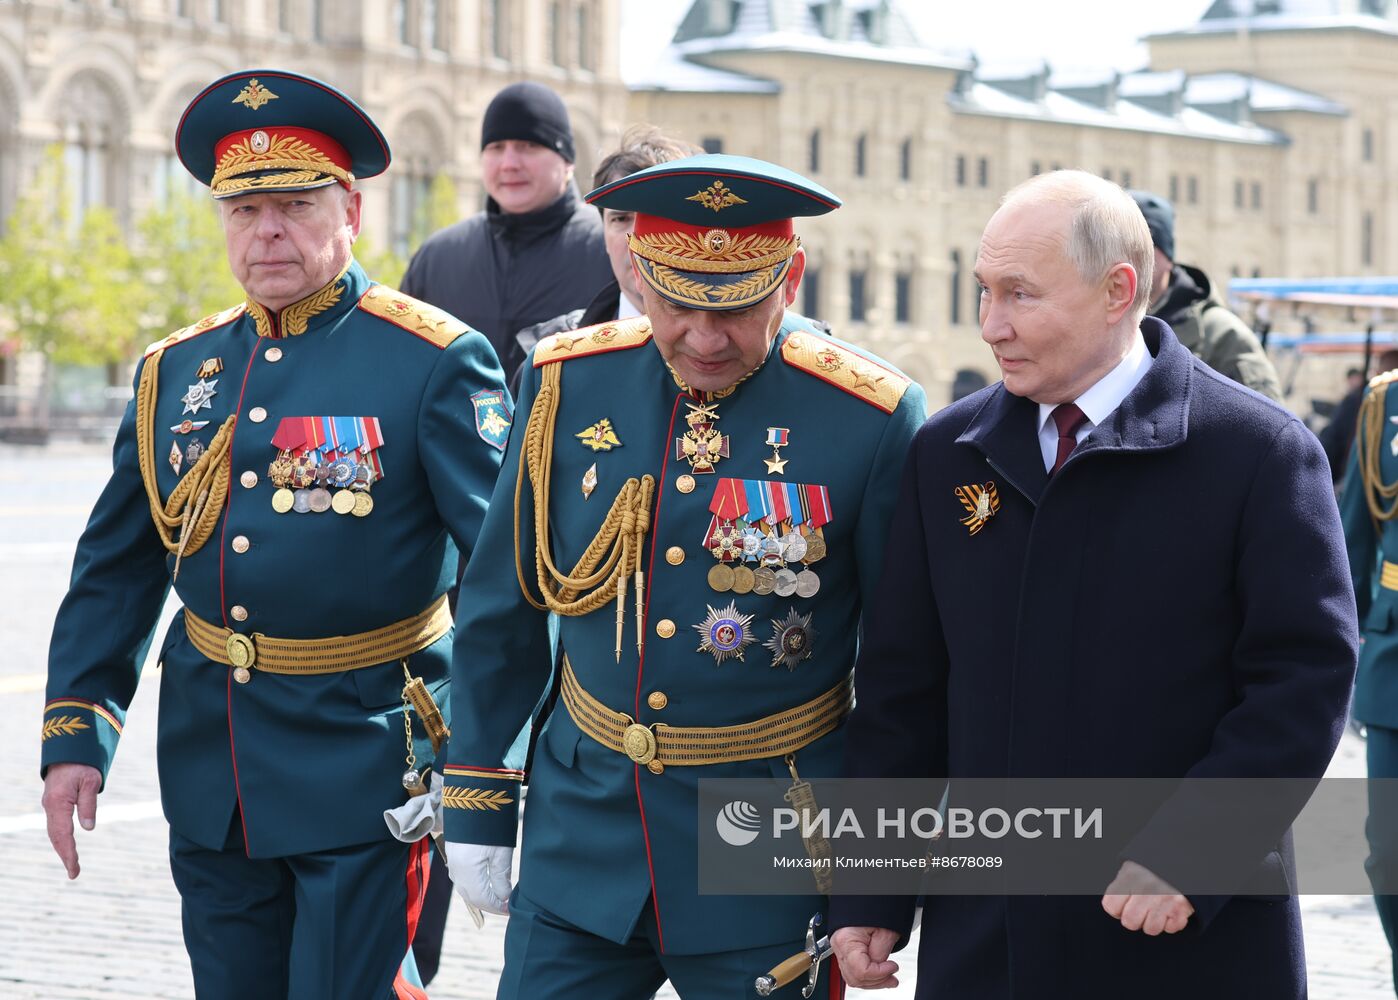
(114, 934)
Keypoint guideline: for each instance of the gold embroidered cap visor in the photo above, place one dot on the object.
(251, 132)
(714, 231)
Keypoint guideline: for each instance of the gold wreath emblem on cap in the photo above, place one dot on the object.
(260, 142)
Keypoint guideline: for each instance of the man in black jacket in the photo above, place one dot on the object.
(536, 250)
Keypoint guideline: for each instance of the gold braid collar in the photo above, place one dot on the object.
(614, 553)
(1381, 497)
(196, 503)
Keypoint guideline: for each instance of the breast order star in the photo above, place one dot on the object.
(200, 396)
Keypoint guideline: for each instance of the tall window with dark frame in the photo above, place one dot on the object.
(1175, 188)
(1256, 195)
(1366, 145)
(582, 35)
(1192, 187)
(810, 292)
(1366, 240)
(982, 172)
(858, 296)
(284, 16)
(813, 152)
(498, 12)
(1035, 168)
(905, 160)
(955, 287)
(555, 29)
(961, 171)
(1238, 194)
(400, 22)
(318, 20)
(1313, 195)
(861, 156)
(1126, 178)
(903, 297)
(431, 33)
(218, 12)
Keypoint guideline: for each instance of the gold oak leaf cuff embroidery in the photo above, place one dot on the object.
(62, 725)
(474, 798)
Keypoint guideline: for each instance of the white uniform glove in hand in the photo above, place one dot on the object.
(481, 875)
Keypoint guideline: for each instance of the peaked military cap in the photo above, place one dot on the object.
(714, 231)
(272, 130)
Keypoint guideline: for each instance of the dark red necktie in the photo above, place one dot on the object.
(1069, 420)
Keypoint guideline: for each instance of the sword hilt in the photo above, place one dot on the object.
(805, 961)
(787, 972)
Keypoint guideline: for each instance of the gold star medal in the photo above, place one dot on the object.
(725, 633)
(777, 438)
(600, 436)
(982, 502)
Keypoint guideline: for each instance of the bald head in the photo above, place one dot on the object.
(1105, 227)
(1064, 268)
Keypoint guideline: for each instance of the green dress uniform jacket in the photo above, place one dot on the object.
(605, 837)
(311, 761)
(1373, 556)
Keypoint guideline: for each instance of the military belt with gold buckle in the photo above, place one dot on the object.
(1388, 576)
(330, 655)
(658, 746)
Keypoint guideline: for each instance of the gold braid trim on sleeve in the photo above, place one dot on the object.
(1380, 496)
(187, 519)
(615, 551)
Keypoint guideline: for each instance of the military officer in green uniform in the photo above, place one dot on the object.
(1368, 507)
(304, 468)
(701, 497)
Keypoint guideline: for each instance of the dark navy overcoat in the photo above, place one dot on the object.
(1174, 602)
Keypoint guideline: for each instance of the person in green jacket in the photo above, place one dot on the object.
(1184, 297)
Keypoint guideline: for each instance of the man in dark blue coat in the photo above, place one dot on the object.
(1160, 592)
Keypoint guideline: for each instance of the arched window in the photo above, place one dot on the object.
(91, 128)
(417, 160)
(965, 382)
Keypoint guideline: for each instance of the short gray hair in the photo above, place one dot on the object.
(1108, 228)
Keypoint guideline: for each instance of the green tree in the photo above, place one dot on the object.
(183, 265)
(37, 283)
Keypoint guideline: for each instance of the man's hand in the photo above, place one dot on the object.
(1144, 902)
(69, 786)
(863, 953)
(481, 875)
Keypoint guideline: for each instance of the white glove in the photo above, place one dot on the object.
(481, 875)
(419, 816)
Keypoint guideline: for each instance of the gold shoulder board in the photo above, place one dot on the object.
(428, 322)
(857, 375)
(619, 335)
(1383, 378)
(203, 326)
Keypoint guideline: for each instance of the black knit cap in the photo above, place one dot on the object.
(532, 112)
(1160, 217)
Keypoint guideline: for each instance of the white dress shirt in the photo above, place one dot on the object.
(1098, 402)
(626, 310)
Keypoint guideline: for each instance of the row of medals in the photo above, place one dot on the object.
(772, 553)
(302, 486)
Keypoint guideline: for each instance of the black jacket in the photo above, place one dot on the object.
(500, 272)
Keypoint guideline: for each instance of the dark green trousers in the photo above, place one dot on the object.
(1382, 832)
(333, 925)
